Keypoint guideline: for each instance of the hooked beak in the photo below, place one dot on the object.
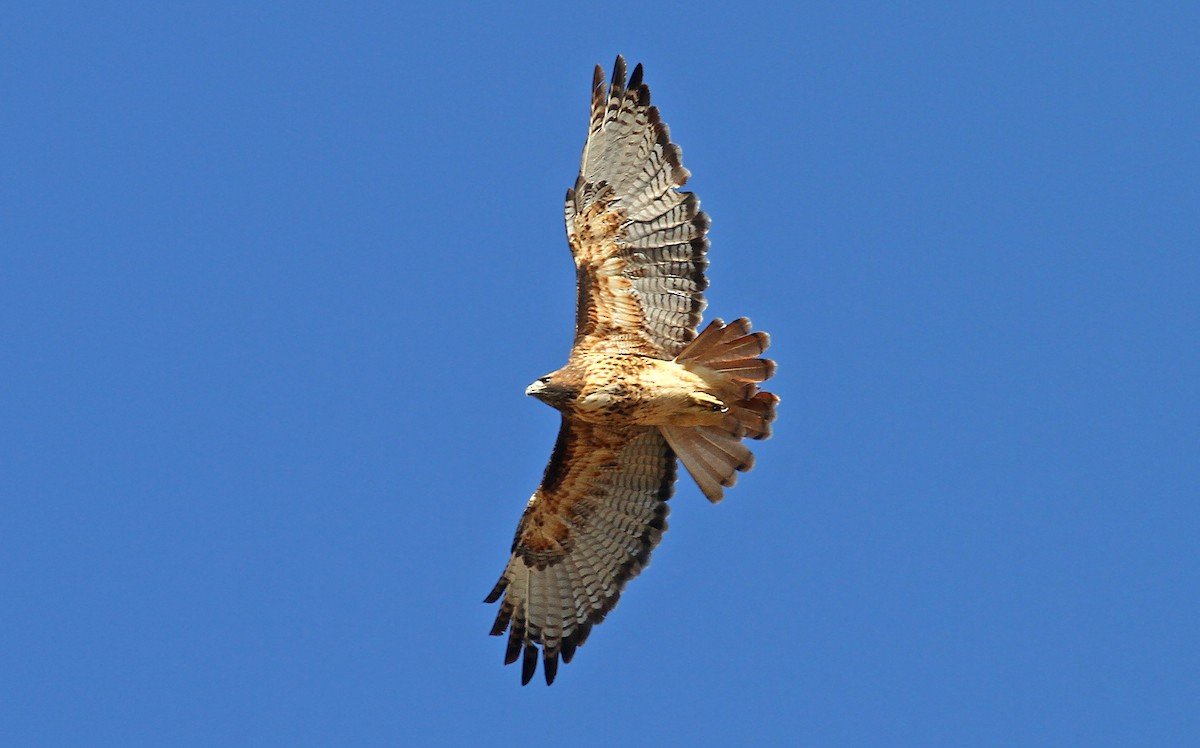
(536, 388)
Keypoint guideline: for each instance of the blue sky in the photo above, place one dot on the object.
(276, 276)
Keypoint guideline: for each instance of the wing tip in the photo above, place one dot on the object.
(503, 618)
(528, 664)
(619, 69)
(567, 651)
(549, 665)
(494, 595)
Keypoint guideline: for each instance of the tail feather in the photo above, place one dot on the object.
(746, 369)
(747, 346)
(711, 467)
(767, 401)
(714, 341)
(728, 447)
(714, 454)
(707, 338)
(755, 414)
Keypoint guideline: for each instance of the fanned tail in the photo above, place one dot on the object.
(713, 455)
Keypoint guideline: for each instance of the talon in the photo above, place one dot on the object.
(708, 402)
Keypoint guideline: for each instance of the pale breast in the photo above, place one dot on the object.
(630, 389)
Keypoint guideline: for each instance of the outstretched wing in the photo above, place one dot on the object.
(587, 530)
(639, 244)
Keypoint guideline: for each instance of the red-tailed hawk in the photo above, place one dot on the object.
(639, 389)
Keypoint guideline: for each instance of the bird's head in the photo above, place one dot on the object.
(554, 389)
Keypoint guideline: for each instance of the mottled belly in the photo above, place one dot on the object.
(622, 390)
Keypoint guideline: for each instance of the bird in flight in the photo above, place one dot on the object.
(640, 387)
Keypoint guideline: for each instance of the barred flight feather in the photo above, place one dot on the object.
(629, 171)
(612, 530)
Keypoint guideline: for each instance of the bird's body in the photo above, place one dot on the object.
(639, 389)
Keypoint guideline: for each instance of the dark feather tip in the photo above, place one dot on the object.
(618, 76)
(511, 653)
(568, 649)
(584, 631)
(501, 623)
(516, 637)
(494, 595)
(529, 664)
(635, 80)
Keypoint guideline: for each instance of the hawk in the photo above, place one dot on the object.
(640, 387)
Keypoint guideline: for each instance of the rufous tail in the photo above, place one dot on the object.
(713, 455)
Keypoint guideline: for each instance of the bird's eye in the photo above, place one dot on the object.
(545, 380)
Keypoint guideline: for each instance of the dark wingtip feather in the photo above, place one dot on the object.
(516, 638)
(618, 76)
(502, 619)
(529, 664)
(643, 95)
(549, 666)
(568, 649)
(584, 631)
(494, 595)
(635, 80)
